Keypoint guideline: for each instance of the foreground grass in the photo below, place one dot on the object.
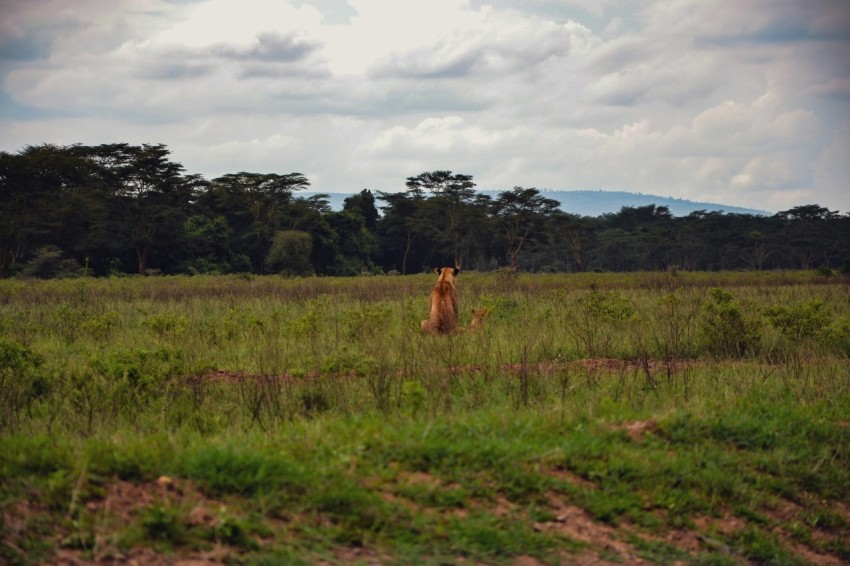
(266, 421)
(755, 479)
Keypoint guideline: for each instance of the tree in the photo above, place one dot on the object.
(809, 231)
(453, 199)
(759, 250)
(290, 253)
(522, 214)
(808, 212)
(148, 196)
(572, 233)
(46, 199)
(479, 241)
(362, 204)
(20, 204)
(256, 206)
(402, 228)
(311, 215)
(637, 238)
(208, 246)
(49, 263)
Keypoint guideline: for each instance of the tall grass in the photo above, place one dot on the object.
(97, 349)
(319, 401)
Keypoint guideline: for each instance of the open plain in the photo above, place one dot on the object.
(665, 417)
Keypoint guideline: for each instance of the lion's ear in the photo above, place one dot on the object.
(456, 270)
(437, 270)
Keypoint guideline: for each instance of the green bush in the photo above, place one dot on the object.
(290, 253)
(366, 322)
(596, 321)
(727, 330)
(100, 326)
(165, 325)
(49, 263)
(141, 367)
(799, 321)
(22, 381)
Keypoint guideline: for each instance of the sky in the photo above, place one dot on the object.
(738, 102)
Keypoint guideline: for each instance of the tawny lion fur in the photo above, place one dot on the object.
(479, 315)
(442, 318)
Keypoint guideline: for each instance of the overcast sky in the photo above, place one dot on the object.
(740, 102)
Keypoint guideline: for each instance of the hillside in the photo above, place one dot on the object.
(599, 202)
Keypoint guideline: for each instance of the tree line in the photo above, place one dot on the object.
(121, 208)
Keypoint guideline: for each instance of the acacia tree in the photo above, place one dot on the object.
(635, 238)
(148, 196)
(362, 204)
(522, 215)
(402, 228)
(575, 232)
(46, 199)
(23, 200)
(450, 206)
(809, 229)
(479, 241)
(256, 206)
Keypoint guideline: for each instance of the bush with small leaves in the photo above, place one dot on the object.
(21, 381)
(727, 329)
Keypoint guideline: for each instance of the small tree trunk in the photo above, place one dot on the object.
(142, 254)
(406, 252)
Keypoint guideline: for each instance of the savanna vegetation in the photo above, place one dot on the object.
(119, 208)
(668, 417)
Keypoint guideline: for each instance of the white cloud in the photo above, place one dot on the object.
(439, 135)
(223, 22)
(743, 103)
(831, 183)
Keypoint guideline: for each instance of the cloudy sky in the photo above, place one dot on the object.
(741, 102)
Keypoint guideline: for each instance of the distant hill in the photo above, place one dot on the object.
(598, 202)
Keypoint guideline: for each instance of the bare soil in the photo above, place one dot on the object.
(593, 365)
(123, 502)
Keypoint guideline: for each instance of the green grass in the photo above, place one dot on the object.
(308, 420)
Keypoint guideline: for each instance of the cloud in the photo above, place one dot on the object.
(271, 47)
(831, 172)
(490, 44)
(438, 135)
(744, 103)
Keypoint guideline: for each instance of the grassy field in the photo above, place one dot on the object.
(699, 418)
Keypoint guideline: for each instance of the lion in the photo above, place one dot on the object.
(442, 318)
(479, 315)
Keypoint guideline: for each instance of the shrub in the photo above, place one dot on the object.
(595, 318)
(804, 320)
(290, 253)
(837, 336)
(673, 326)
(48, 263)
(100, 326)
(366, 321)
(142, 369)
(21, 381)
(727, 331)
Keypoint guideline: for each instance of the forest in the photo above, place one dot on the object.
(121, 209)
